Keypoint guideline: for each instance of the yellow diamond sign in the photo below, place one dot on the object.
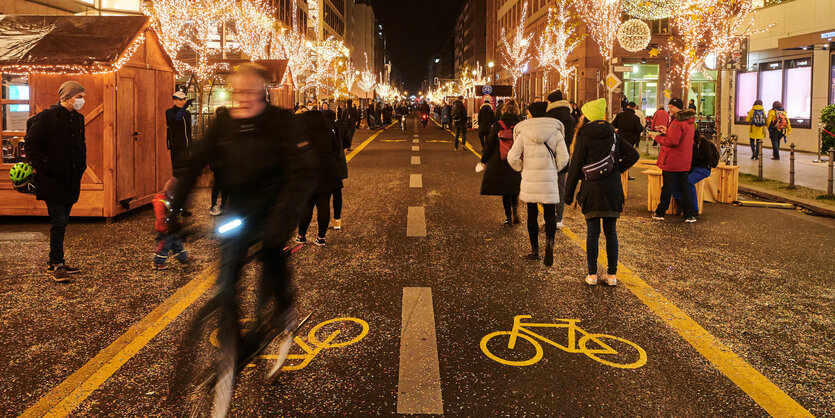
(612, 81)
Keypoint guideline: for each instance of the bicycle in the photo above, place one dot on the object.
(726, 150)
(521, 330)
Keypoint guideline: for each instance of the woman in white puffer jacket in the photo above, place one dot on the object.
(539, 152)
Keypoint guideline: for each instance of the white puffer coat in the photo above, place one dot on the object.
(530, 156)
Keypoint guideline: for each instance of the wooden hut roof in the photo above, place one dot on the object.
(68, 44)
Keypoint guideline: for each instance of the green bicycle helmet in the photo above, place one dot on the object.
(20, 172)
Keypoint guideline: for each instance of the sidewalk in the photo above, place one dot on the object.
(806, 173)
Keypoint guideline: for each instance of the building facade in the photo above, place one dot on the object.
(471, 36)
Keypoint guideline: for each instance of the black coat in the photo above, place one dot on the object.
(486, 119)
(604, 197)
(178, 137)
(323, 136)
(499, 178)
(629, 126)
(56, 148)
(563, 114)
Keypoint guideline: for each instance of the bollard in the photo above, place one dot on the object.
(735, 139)
(820, 133)
(791, 167)
(760, 159)
(831, 178)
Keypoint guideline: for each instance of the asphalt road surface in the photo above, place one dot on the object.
(414, 301)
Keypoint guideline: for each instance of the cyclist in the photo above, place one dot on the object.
(424, 113)
(267, 166)
(402, 114)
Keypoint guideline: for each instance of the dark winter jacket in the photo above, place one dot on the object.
(178, 137)
(459, 112)
(56, 148)
(499, 178)
(629, 126)
(424, 108)
(598, 198)
(561, 111)
(704, 153)
(486, 118)
(266, 165)
(322, 134)
(676, 152)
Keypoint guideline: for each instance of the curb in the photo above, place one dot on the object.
(816, 208)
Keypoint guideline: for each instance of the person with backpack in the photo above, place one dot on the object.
(459, 121)
(705, 158)
(600, 155)
(499, 178)
(56, 148)
(486, 119)
(756, 131)
(539, 152)
(779, 127)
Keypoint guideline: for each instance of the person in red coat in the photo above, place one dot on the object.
(675, 157)
(166, 240)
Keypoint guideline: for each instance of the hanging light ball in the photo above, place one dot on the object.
(634, 35)
(650, 9)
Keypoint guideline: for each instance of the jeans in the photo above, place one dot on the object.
(755, 149)
(511, 205)
(216, 191)
(59, 215)
(592, 238)
(166, 243)
(561, 184)
(673, 179)
(337, 204)
(776, 136)
(550, 213)
(696, 175)
(461, 132)
(322, 202)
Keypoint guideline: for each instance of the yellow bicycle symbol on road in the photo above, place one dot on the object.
(615, 358)
(314, 344)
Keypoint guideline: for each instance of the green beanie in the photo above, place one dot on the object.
(595, 110)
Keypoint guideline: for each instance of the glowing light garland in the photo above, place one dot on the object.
(556, 44)
(602, 19)
(516, 50)
(95, 68)
(254, 26)
(367, 79)
(293, 48)
(650, 9)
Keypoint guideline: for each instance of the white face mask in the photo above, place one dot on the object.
(78, 104)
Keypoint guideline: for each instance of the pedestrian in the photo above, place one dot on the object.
(705, 158)
(660, 119)
(560, 109)
(628, 125)
(348, 125)
(692, 105)
(459, 120)
(486, 119)
(445, 111)
(575, 111)
(369, 115)
(756, 130)
(321, 131)
(601, 192)
(55, 147)
(178, 132)
(540, 153)
(499, 178)
(779, 127)
(378, 114)
(499, 107)
(268, 173)
(167, 224)
(217, 188)
(675, 157)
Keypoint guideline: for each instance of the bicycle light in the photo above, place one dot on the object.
(233, 224)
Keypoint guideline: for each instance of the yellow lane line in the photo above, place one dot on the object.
(69, 394)
(469, 147)
(765, 393)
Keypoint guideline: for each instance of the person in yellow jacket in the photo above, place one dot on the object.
(779, 127)
(756, 131)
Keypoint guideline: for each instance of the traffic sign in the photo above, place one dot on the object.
(487, 89)
(612, 81)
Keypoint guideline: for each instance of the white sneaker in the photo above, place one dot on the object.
(591, 279)
(214, 211)
(560, 225)
(611, 280)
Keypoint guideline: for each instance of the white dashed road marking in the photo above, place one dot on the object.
(419, 383)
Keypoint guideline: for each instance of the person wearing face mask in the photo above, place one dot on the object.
(56, 149)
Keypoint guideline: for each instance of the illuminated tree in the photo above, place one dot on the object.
(516, 50)
(602, 19)
(293, 48)
(367, 79)
(556, 44)
(254, 27)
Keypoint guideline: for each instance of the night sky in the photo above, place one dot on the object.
(415, 30)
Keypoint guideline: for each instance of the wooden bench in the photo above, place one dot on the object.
(654, 192)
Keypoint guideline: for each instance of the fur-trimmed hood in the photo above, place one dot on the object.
(685, 115)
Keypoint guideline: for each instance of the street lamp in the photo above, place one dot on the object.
(490, 65)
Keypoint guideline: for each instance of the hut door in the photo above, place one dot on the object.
(126, 129)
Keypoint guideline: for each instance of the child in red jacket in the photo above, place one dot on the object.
(166, 240)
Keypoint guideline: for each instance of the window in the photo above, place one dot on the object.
(14, 105)
(771, 83)
(746, 94)
(798, 92)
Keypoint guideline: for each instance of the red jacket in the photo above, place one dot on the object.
(161, 205)
(677, 145)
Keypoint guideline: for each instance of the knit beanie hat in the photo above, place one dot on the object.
(538, 109)
(555, 96)
(594, 110)
(69, 89)
(675, 101)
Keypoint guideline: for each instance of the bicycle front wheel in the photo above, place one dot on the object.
(607, 350)
(519, 363)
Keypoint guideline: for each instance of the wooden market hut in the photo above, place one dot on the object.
(129, 80)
